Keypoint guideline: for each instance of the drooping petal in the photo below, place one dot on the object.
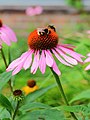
(67, 58)
(17, 69)
(28, 61)
(35, 63)
(55, 68)
(60, 59)
(13, 64)
(8, 34)
(4, 38)
(17, 62)
(42, 62)
(9, 30)
(88, 67)
(72, 53)
(67, 45)
(87, 60)
(88, 54)
(49, 60)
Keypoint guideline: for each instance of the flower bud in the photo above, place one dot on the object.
(18, 94)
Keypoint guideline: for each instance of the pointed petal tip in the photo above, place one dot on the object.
(88, 54)
(49, 59)
(87, 60)
(43, 72)
(8, 69)
(13, 73)
(59, 73)
(88, 67)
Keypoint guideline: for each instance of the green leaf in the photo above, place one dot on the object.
(33, 96)
(76, 108)
(5, 103)
(6, 119)
(85, 109)
(47, 114)
(4, 113)
(4, 78)
(83, 95)
(33, 105)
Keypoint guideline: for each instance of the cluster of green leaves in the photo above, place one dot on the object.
(31, 109)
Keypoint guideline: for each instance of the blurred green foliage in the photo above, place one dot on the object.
(78, 4)
(74, 80)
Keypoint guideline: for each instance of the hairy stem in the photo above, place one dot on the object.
(15, 112)
(62, 92)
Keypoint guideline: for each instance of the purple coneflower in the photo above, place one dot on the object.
(6, 35)
(32, 11)
(86, 61)
(43, 43)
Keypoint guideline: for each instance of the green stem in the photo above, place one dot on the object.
(15, 112)
(62, 92)
(4, 59)
(6, 65)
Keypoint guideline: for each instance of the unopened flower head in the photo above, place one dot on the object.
(87, 61)
(18, 94)
(6, 35)
(43, 43)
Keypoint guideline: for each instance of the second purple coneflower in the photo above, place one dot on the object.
(6, 34)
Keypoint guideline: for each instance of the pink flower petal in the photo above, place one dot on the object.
(28, 61)
(72, 53)
(49, 60)
(17, 69)
(67, 45)
(60, 59)
(88, 54)
(9, 30)
(13, 64)
(30, 11)
(42, 62)
(67, 58)
(8, 34)
(55, 68)
(87, 60)
(38, 10)
(88, 67)
(17, 62)
(70, 50)
(35, 63)
(4, 38)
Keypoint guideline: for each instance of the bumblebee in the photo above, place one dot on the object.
(45, 31)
